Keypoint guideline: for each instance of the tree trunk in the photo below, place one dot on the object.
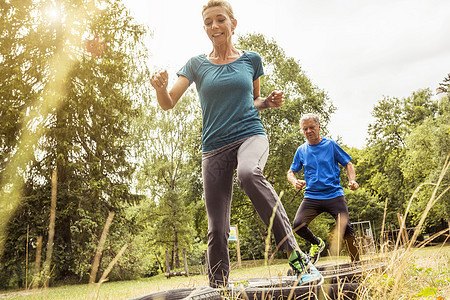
(37, 264)
(51, 227)
(159, 263)
(175, 250)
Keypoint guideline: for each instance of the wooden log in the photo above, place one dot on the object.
(173, 274)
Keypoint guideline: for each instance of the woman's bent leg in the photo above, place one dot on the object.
(252, 157)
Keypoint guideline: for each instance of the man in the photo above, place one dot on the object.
(319, 157)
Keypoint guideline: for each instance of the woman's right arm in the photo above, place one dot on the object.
(168, 99)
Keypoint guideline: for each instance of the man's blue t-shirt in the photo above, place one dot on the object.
(321, 169)
(226, 97)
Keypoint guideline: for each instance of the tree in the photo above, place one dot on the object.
(393, 141)
(424, 160)
(74, 107)
(172, 139)
(444, 87)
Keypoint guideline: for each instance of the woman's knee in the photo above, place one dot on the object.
(248, 174)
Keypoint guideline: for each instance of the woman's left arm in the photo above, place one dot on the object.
(275, 99)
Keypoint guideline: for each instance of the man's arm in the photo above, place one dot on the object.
(351, 174)
(297, 183)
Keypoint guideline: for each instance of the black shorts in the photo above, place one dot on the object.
(310, 208)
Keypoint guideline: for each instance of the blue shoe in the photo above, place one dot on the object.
(313, 277)
(305, 271)
(315, 250)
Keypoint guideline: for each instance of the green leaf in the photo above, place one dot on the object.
(427, 291)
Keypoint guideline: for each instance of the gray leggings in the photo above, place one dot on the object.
(249, 157)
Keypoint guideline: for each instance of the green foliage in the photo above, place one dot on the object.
(434, 279)
(427, 291)
(429, 146)
(66, 108)
(170, 176)
(363, 206)
(395, 118)
(252, 233)
(407, 143)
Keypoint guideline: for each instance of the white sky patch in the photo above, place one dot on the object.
(357, 51)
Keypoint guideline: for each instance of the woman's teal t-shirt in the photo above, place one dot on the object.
(226, 98)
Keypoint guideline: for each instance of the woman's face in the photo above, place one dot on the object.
(218, 25)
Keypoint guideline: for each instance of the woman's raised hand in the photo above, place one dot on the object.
(159, 80)
(275, 99)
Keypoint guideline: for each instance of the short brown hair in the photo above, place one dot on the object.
(221, 3)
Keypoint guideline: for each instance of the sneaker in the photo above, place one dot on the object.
(302, 267)
(314, 251)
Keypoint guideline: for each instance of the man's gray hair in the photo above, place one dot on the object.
(310, 116)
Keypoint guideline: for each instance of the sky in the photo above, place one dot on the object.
(357, 51)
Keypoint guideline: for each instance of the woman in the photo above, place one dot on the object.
(233, 138)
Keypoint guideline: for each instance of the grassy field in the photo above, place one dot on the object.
(416, 274)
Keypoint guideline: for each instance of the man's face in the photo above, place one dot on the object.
(311, 131)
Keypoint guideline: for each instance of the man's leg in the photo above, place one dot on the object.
(337, 207)
(309, 209)
(350, 242)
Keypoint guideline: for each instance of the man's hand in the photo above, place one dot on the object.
(299, 184)
(353, 185)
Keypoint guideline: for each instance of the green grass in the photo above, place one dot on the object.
(425, 273)
(414, 274)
